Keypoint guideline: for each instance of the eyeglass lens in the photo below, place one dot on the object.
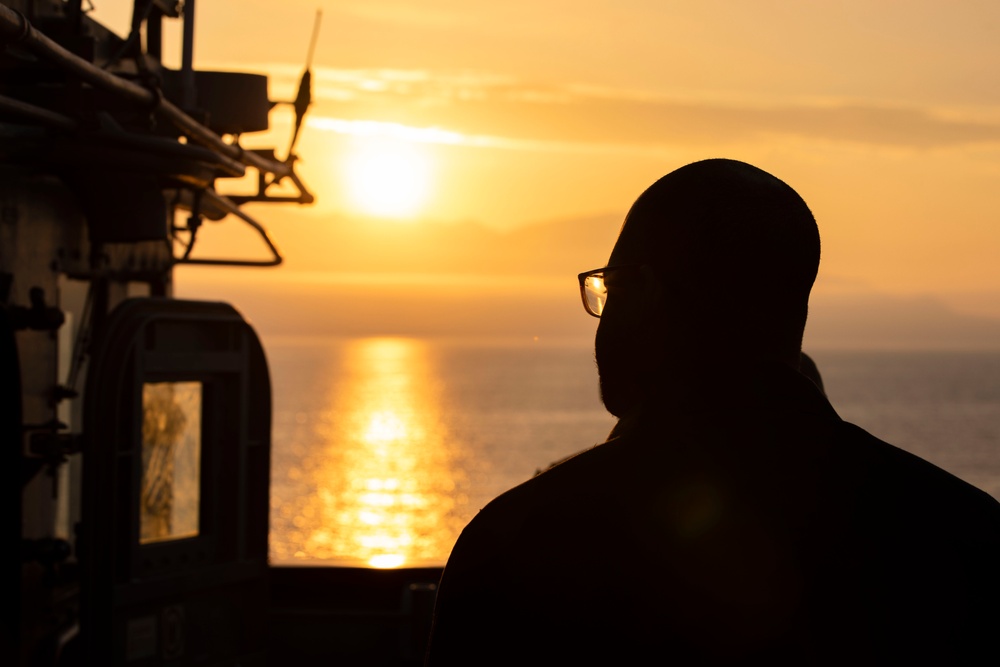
(596, 293)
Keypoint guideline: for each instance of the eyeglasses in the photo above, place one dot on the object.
(594, 287)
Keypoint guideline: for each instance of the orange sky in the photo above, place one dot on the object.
(884, 116)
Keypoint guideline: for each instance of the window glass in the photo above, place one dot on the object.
(171, 461)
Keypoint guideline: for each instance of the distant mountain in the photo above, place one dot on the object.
(566, 246)
(348, 276)
(297, 304)
(361, 245)
(873, 320)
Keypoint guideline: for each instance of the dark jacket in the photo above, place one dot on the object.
(753, 527)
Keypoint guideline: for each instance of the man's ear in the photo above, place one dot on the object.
(652, 291)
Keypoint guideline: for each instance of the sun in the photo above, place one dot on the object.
(388, 178)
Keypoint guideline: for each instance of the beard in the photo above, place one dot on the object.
(619, 371)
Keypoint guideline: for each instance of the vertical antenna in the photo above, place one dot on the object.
(315, 37)
(304, 96)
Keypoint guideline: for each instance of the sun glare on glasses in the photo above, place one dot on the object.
(594, 287)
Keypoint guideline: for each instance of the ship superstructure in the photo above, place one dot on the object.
(136, 426)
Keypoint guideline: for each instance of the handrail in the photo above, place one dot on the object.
(16, 29)
(226, 205)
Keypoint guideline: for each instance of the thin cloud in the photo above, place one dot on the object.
(403, 14)
(434, 135)
(384, 130)
(497, 111)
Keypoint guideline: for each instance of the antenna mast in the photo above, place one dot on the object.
(303, 99)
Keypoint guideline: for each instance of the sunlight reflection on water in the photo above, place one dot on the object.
(382, 490)
(384, 448)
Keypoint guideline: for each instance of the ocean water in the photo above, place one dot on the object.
(384, 448)
(942, 406)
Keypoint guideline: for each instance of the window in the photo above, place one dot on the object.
(171, 461)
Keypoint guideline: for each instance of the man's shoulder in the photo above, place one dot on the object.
(570, 479)
(572, 486)
(899, 477)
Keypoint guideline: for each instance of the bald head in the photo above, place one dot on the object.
(726, 229)
(733, 252)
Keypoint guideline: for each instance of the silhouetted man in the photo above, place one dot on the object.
(733, 517)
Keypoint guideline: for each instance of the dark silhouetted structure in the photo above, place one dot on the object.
(733, 517)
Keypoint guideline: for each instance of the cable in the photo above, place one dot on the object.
(14, 27)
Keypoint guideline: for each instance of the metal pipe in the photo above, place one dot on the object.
(154, 33)
(75, 12)
(18, 109)
(16, 29)
(189, 92)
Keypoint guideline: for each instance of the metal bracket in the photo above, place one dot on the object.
(38, 317)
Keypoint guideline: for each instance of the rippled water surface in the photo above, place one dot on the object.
(384, 448)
